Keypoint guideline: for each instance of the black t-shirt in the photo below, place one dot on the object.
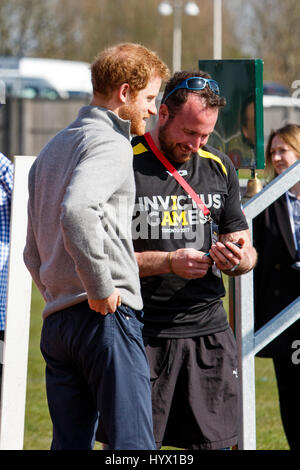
(166, 219)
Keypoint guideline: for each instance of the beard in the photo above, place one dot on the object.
(131, 112)
(170, 149)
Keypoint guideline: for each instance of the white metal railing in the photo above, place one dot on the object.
(250, 342)
(15, 353)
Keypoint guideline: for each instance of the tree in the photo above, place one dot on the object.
(73, 29)
(270, 30)
(111, 21)
(46, 28)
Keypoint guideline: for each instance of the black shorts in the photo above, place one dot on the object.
(194, 391)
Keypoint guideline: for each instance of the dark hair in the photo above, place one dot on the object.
(179, 97)
(244, 107)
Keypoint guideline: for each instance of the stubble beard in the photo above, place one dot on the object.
(170, 149)
(131, 112)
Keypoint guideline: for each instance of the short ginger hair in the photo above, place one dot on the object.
(126, 63)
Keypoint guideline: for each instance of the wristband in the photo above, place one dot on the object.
(170, 261)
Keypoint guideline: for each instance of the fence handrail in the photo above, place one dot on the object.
(247, 340)
(277, 325)
(272, 191)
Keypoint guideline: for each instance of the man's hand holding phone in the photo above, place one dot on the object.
(228, 255)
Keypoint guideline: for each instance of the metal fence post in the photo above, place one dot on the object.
(245, 342)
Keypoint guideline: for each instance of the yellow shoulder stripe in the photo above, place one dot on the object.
(138, 149)
(204, 154)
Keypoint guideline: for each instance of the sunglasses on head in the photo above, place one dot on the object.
(195, 83)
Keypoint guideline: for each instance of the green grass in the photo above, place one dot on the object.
(269, 431)
(270, 435)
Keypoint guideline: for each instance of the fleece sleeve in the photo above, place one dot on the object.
(94, 187)
(31, 256)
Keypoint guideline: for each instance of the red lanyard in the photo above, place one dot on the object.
(177, 176)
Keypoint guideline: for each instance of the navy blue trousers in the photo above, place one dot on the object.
(96, 366)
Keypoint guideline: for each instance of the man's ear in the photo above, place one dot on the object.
(124, 93)
(163, 114)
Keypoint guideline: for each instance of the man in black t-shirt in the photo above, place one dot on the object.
(182, 245)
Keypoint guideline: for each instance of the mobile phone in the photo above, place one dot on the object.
(236, 244)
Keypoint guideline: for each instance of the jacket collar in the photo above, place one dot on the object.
(106, 117)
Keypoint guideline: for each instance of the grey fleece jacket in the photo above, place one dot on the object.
(81, 197)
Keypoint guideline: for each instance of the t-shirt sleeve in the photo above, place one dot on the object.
(232, 219)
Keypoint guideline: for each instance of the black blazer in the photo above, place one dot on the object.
(276, 283)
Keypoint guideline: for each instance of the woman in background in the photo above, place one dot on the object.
(277, 275)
